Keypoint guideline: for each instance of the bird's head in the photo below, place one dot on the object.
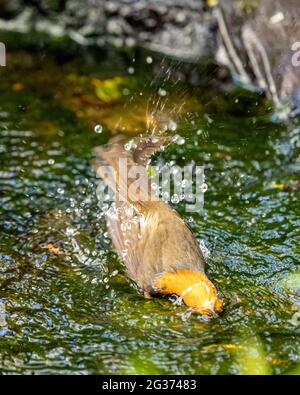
(195, 289)
(203, 298)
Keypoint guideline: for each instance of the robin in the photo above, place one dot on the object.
(159, 250)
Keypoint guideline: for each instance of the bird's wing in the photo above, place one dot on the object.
(167, 244)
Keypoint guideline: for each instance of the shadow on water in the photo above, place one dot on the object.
(65, 304)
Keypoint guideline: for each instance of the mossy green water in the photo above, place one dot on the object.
(76, 312)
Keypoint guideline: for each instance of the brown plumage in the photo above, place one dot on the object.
(159, 250)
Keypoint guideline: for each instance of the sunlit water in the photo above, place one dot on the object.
(72, 310)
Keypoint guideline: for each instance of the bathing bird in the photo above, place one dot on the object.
(159, 250)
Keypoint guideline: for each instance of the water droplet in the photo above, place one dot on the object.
(149, 60)
(98, 128)
(203, 187)
(70, 231)
(172, 126)
(162, 92)
(175, 198)
(178, 139)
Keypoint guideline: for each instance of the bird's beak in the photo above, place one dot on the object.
(218, 305)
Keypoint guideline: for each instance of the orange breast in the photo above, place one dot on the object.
(195, 288)
(179, 281)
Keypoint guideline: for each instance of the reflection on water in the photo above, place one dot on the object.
(65, 304)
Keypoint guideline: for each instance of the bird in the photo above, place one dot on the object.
(159, 250)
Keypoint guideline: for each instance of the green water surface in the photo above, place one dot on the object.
(76, 312)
